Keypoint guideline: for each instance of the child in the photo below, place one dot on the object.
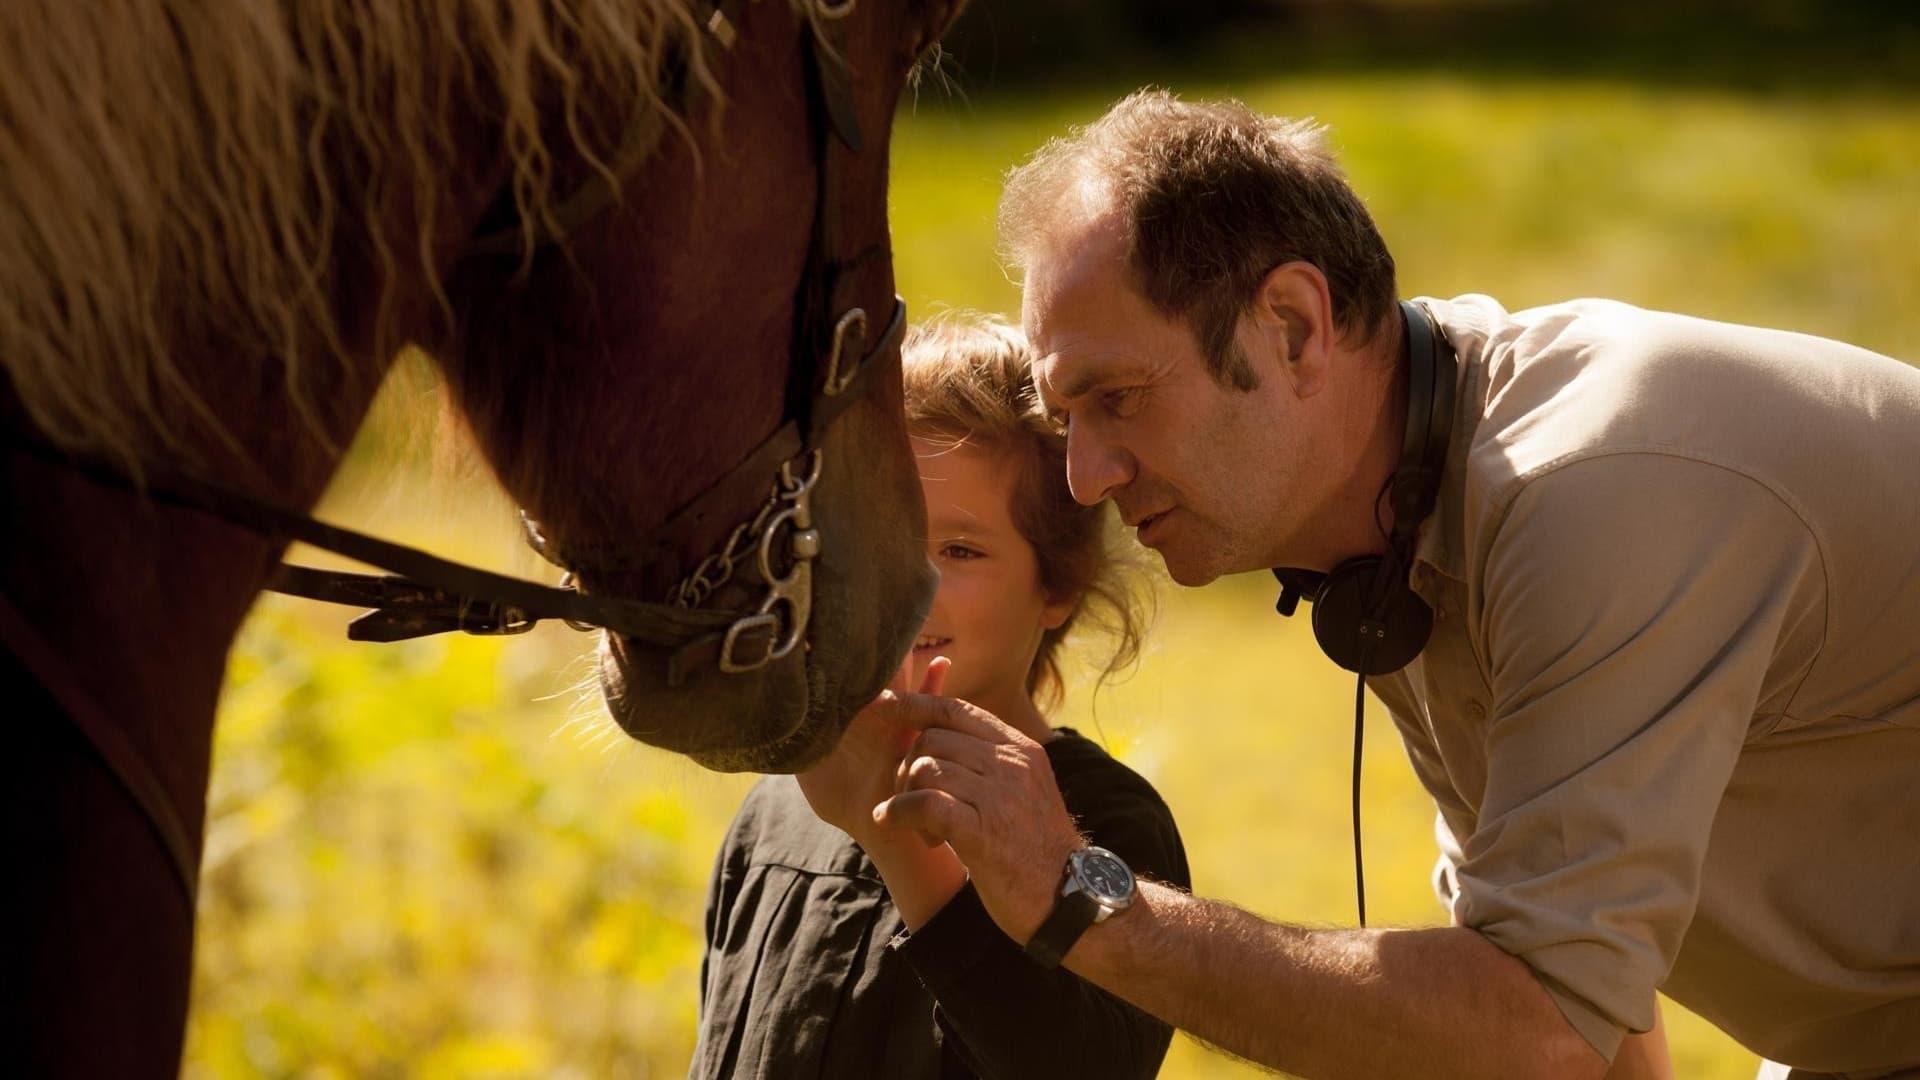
(863, 952)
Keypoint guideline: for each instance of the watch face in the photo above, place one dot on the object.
(1104, 875)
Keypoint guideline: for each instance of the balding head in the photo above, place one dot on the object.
(1209, 197)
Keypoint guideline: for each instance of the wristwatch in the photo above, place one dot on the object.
(1097, 886)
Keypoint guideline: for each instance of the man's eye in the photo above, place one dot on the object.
(1124, 401)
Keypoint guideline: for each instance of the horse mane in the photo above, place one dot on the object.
(178, 176)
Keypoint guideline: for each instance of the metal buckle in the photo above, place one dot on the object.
(793, 589)
(838, 380)
(486, 620)
(764, 621)
(793, 490)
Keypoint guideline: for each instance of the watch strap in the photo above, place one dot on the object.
(1072, 913)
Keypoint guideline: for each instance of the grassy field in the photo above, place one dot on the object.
(437, 859)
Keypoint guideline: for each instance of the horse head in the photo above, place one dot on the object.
(218, 226)
(651, 386)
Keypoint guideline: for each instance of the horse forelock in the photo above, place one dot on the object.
(174, 177)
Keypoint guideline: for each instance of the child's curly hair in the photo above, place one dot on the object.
(968, 381)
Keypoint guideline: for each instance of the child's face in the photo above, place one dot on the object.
(990, 610)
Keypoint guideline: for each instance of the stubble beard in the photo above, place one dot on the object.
(1187, 576)
(1197, 561)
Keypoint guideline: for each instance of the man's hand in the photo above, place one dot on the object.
(989, 792)
(921, 873)
(859, 774)
(1312, 1002)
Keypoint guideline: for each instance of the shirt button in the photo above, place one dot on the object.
(1476, 712)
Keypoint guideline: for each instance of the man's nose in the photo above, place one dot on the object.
(1096, 467)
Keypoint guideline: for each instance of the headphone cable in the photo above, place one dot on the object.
(1392, 565)
(1359, 863)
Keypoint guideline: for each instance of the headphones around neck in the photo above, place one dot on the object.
(1365, 616)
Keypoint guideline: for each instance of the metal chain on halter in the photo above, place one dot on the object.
(784, 573)
(717, 569)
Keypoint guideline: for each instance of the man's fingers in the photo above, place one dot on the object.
(974, 753)
(925, 711)
(935, 813)
(919, 773)
(963, 750)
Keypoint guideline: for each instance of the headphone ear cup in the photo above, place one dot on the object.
(1341, 623)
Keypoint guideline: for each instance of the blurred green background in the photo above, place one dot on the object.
(440, 859)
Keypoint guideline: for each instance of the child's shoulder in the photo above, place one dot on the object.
(775, 826)
(1080, 764)
(771, 801)
(1117, 807)
(1079, 754)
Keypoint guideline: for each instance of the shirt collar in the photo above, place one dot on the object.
(1440, 546)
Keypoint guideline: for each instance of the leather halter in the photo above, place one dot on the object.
(425, 594)
(829, 372)
(776, 544)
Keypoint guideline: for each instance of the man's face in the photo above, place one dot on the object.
(1216, 479)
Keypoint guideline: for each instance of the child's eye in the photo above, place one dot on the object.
(959, 551)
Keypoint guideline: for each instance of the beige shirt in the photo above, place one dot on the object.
(1671, 708)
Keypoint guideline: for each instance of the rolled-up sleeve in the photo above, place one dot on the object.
(1446, 866)
(1630, 611)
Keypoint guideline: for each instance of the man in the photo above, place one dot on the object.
(1670, 707)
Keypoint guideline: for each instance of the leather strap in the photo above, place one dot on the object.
(425, 594)
(1072, 914)
(426, 580)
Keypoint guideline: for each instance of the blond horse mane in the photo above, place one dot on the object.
(178, 173)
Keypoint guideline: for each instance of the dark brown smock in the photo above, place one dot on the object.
(809, 971)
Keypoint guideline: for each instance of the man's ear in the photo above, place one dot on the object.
(1292, 316)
